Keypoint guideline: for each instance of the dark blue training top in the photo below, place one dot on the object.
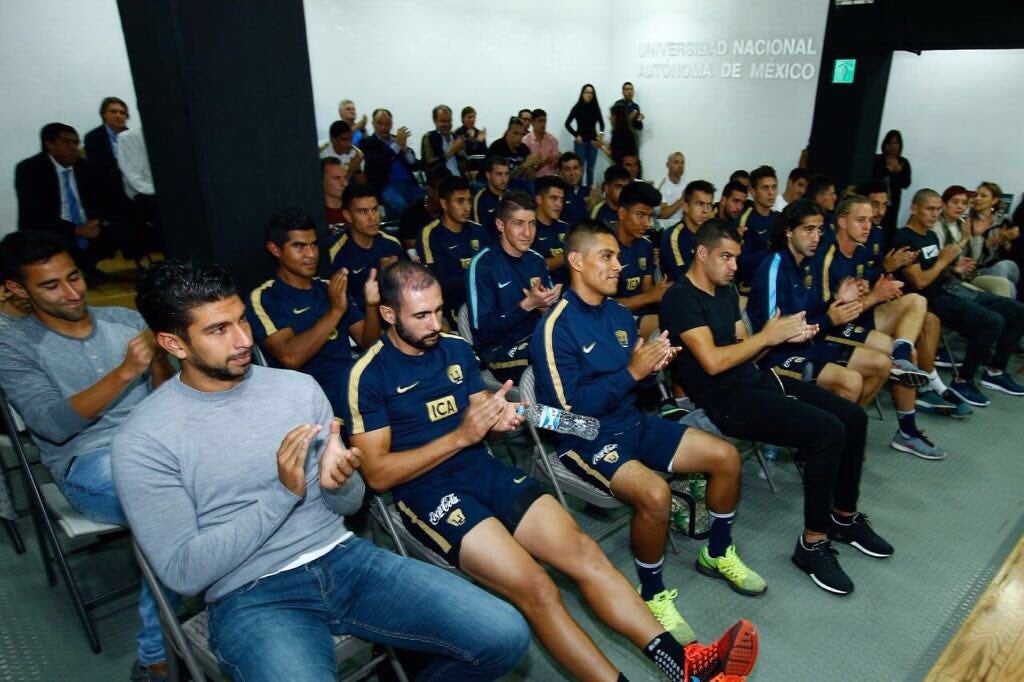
(495, 283)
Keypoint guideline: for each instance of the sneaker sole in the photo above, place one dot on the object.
(912, 379)
(964, 398)
(944, 364)
(903, 448)
(824, 586)
(863, 550)
(928, 408)
(1001, 389)
(713, 573)
(738, 651)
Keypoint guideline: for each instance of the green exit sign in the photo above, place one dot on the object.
(843, 70)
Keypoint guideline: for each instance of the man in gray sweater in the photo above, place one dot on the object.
(235, 481)
(75, 373)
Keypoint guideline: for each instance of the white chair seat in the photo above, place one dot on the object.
(68, 518)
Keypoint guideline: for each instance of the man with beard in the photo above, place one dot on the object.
(418, 412)
(303, 322)
(236, 484)
(74, 374)
(716, 366)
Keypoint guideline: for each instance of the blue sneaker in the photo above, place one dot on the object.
(944, 359)
(931, 402)
(963, 410)
(906, 373)
(969, 393)
(917, 445)
(1001, 382)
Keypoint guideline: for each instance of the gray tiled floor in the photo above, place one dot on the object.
(952, 523)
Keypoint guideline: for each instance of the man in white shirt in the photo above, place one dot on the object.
(671, 188)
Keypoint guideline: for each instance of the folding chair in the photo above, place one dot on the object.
(189, 641)
(466, 332)
(7, 510)
(546, 466)
(48, 504)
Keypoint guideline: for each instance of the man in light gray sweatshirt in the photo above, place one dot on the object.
(75, 373)
(235, 482)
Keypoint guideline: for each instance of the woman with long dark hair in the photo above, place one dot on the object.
(894, 170)
(586, 114)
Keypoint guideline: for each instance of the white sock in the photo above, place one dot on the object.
(936, 383)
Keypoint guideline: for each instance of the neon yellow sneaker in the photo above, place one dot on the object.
(663, 606)
(731, 569)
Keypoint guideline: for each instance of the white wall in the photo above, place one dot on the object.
(721, 123)
(959, 112)
(58, 61)
(61, 57)
(409, 55)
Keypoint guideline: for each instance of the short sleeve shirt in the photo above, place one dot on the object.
(928, 245)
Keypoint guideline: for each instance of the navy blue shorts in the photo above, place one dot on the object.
(440, 512)
(806, 362)
(854, 333)
(652, 441)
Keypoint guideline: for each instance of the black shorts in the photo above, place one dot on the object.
(443, 510)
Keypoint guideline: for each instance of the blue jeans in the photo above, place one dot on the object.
(398, 194)
(588, 157)
(89, 487)
(280, 627)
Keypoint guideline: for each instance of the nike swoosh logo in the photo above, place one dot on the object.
(542, 239)
(404, 389)
(502, 285)
(453, 246)
(299, 311)
(587, 349)
(519, 480)
(490, 210)
(356, 272)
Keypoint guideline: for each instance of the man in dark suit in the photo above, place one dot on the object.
(101, 149)
(390, 165)
(59, 192)
(440, 148)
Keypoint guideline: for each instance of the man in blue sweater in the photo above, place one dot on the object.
(509, 289)
(589, 360)
(236, 482)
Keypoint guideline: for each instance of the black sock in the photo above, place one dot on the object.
(622, 678)
(667, 654)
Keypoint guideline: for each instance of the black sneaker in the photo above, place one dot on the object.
(859, 533)
(819, 561)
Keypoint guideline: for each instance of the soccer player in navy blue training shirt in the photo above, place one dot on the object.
(551, 230)
(616, 178)
(485, 201)
(891, 321)
(786, 284)
(732, 202)
(589, 360)
(362, 246)
(448, 244)
(576, 193)
(419, 412)
(821, 189)
(509, 289)
(677, 242)
(716, 366)
(883, 258)
(637, 289)
(304, 322)
(756, 221)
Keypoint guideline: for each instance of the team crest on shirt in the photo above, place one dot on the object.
(456, 518)
(622, 337)
(641, 262)
(333, 335)
(860, 269)
(609, 453)
(875, 247)
(561, 237)
(464, 262)
(534, 281)
(632, 283)
(455, 374)
(474, 244)
(808, 280)
(557, 252)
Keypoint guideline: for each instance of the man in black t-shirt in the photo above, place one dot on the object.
(522, 165)
(716, 367)
(993, 325)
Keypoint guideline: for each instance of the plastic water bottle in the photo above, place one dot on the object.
(771, 454)
(554, 419)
